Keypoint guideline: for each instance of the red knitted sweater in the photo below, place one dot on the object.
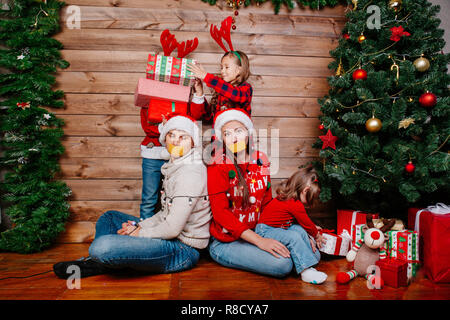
(230, 219)
(281, 214)
(195, 110)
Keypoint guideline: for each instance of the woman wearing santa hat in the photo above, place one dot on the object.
(170, 240)
(239, 188)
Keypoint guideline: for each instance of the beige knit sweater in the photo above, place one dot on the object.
(184, 214)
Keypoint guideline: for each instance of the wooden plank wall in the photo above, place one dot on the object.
(288, 52)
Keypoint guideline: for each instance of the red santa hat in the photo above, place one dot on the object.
(228, 115)
(179, 122)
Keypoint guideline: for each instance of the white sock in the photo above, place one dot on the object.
(311, 275)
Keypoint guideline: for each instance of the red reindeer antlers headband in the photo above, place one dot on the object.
(224, 33)
(169, 44)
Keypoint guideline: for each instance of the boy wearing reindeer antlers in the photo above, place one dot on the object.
(154, 155)
(231, 89)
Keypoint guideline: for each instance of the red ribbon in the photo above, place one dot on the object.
(337, 248)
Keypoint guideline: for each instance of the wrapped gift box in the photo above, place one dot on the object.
(398, 226)
(169, 69)
(147, 89)
(393, 272)
(404, 245)
(433, 229)
(157, 108)
(335, 245)
(358, 233)
(346, 219)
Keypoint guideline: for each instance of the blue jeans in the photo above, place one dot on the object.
(296, 239)
(151, 181)
(241, 254)
(144, 254)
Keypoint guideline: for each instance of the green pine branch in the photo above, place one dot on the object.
(32, 197)
(290, 4)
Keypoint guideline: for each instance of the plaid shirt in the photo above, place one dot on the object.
(229, 96)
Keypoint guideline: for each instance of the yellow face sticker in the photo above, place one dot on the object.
(176, 151)
(237, 147)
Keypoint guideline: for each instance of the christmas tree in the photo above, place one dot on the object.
(385, 120)
(34, 200)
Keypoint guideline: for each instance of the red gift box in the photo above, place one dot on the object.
(157, 108)
(434, 250)
(147, 89)
(346, 219)
(393, 272)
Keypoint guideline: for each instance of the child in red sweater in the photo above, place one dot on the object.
(231, 89)
(277, 221)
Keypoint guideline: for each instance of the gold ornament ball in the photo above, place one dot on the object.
(361, 38)
(421, 64)
(373, 124)
(395, 5)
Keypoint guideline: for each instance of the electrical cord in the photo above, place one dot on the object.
(33, 275)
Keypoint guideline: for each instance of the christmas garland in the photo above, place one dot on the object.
(314, 4)
(35, 201)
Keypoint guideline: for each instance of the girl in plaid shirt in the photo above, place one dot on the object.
(231, 89)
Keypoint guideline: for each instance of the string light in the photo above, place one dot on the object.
(37, 17)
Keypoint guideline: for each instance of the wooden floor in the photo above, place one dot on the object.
(207, 281)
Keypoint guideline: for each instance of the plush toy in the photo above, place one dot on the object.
(367, 252)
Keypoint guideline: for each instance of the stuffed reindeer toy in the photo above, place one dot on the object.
(366, 252)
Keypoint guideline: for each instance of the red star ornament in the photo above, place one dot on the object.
(328, 140)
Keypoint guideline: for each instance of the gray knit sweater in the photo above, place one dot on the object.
(184, 214)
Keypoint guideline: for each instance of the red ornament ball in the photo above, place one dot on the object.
(346, 36)
(428, 100)
(359, 74)
(410, 167)
(234, 27)
(321, 126)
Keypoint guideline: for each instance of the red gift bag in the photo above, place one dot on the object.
(434, 230)
(158, 107)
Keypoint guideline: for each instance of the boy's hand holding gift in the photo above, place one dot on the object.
(198, 87)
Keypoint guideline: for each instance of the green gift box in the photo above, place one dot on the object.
(358, 233)
(404, 245)
(169, 69)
